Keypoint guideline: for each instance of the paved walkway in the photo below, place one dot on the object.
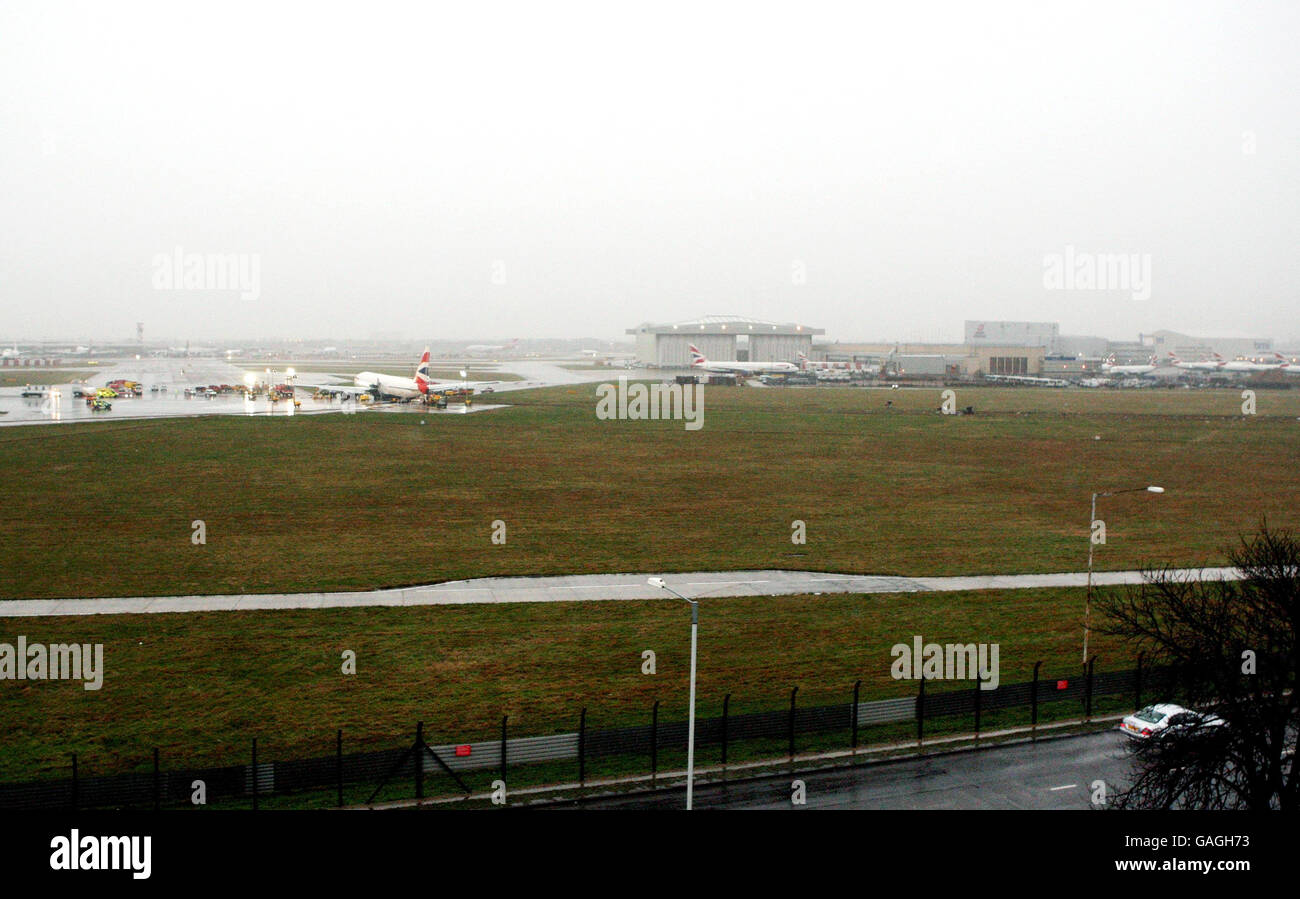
(578, 588)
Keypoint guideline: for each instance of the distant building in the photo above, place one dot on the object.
(1003, 333)
(1192, 348)
(723, 338)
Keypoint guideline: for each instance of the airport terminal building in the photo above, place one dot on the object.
(1035, 349)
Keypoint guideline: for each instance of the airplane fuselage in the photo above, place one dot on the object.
(746, 368)
(389, 385)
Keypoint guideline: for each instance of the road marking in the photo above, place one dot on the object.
(1066, 787)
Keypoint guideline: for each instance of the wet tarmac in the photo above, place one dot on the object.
(164, 381)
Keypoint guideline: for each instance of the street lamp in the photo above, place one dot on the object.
(690, 727)
(1087, 605)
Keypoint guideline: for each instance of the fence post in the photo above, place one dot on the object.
(1137, 699)
(582, 747)
(793, 694)
(156, 797)
(977, 710)
(254, 773)
(1033, 703)
(920, 714)
(419, 760)
(1087, 690)
(338, 763)
(857, 690)
(654, 743)
(504, 719)
(74, 781)
(726, 708)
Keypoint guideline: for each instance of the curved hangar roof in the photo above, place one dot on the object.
(725, 324)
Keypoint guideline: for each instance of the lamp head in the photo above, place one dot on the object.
(656, 582)
(1155, 489)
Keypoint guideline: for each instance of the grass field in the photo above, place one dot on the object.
(199, 687)
(336, 502)
(19, 377)
(345, 502)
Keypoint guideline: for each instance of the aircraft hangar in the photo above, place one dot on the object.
(725, 338)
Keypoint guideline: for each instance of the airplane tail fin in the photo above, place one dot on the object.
(697, 358)
(422, 372)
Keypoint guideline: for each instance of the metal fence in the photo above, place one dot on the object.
(258, 779)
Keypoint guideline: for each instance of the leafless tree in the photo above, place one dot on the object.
(1230, 648)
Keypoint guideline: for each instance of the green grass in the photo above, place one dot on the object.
(335, 502)
(200, 686)
(20, 377)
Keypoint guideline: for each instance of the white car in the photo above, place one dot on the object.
(1161, 717)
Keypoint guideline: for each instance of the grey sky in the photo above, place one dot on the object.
(915, 163)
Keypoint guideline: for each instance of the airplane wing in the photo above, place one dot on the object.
(340, 389)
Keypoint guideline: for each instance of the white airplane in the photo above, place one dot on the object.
(1111, 368)
(381, 386)
(1286, 365)
(1242, 365)
(737, 368)
(1205, 365)
(484, 349)
(11, 353)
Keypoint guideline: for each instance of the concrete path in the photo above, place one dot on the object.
(579, 588)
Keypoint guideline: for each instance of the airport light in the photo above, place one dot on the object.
(1087, 603)
(690, 727)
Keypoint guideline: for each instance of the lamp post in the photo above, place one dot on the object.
(690, 727)
(1087, 605)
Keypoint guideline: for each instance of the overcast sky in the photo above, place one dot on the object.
(481, 171)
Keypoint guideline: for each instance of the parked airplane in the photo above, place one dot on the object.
(737, 368)
(381, 386)
(1111, 368)
(11, 353)
(486, 349)
(1243, 365)
(1205, 365)
(1286, 365)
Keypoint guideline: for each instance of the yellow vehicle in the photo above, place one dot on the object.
(365, 398)
(107, 393)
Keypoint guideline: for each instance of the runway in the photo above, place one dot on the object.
(579, 588)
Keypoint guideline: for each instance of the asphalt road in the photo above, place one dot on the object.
(1056, 773)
